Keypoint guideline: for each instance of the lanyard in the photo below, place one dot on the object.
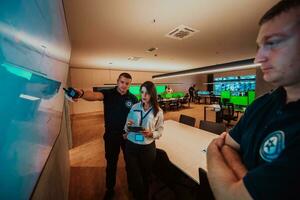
(143, 117)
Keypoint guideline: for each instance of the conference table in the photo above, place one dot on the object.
(186, 147)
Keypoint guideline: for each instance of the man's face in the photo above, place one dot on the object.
(279, 49)
(123, 84)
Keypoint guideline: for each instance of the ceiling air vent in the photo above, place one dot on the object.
(181, 32)
(134, 58)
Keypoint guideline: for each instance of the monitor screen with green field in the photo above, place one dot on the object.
(237, 85)
(239, 100)
(160, 89)
(251, 96)
(135, 89)
(225, 94)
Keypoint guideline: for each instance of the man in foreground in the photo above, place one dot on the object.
(260, 157)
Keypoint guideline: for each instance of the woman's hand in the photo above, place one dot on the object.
(129, 123)
(147, 133)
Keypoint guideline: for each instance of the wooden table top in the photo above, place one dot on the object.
(186, 146)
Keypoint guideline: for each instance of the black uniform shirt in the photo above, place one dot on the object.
(269, 138)
(116, 109)
(191, 90)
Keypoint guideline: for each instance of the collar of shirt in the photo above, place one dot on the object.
(280, 96)
(117, 92)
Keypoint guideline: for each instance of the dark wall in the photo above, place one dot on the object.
(210, 79)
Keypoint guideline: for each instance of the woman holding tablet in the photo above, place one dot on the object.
(144, 125)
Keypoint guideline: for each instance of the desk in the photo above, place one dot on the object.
(205, 97)
(217, 109)
(167, 103)
(185, 146)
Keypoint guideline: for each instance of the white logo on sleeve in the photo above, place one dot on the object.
(272, 146)
(128, 104)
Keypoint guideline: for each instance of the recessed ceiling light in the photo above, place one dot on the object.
(151, 49)
(134, 58)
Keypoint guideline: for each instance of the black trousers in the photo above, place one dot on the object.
(113, 143)
(191, 98)
(140, 161)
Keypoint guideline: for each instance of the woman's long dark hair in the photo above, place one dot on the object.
(150, 87)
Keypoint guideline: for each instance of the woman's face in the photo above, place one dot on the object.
(145, 95)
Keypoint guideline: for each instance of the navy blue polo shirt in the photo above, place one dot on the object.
(116, 109)
(269, 138)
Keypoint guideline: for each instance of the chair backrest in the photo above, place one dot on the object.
(205, 190)
(231, 108)
(187, 120)
(225, 101)
(213, 127)
(185, 99)
(162, 104)
(175, 101)
(228, 110)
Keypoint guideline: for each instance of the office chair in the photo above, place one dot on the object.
(184, 119)
(163, 177)
(162, 105)
(169, 181)
(228, 113)
(174, 104)
(213, 127)
(185, 100)
(205, 191)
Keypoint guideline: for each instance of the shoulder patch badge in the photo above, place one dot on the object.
(272, 146)
(128, 103)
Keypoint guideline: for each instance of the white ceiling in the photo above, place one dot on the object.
(104, 34)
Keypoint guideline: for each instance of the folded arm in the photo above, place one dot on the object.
(225, 171)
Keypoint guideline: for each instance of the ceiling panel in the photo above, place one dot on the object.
(104, 34)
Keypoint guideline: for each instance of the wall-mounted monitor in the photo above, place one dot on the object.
(200, 92)
(225, 94)
(237, 85)
(135, 89)
(160, 89)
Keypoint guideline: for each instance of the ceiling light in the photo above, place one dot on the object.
(151, 49)
(232, 66)
(134, 58)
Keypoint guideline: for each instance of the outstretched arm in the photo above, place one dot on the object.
(90, 96)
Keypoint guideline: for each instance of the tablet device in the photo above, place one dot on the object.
(139, 138)
(71, 92)
(135, 128)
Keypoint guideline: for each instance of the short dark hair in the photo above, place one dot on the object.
(277, 9)
(125, 75)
